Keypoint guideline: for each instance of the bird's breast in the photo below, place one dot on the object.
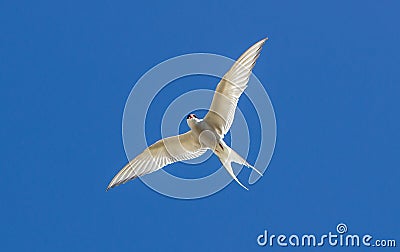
(207, 136)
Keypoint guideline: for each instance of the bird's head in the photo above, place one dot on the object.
(191, 119)
(191, 116)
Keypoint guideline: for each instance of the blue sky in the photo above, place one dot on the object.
(331, 70)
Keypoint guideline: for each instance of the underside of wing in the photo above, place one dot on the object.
(230, 88)
(165, 151)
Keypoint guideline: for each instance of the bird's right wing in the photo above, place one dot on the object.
(165, 151)
(230, 88)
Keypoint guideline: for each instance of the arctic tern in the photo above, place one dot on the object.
(204, 134)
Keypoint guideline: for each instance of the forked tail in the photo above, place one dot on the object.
(227, 155)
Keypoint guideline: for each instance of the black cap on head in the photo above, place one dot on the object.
(190, 116)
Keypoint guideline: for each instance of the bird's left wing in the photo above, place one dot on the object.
(165, 151)
(230, 88)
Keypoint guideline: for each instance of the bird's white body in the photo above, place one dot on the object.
(209, 138)
(206, 133)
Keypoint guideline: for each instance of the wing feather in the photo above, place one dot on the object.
(165, 151)
(230, 88)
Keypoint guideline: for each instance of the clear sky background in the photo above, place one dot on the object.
(331, 69)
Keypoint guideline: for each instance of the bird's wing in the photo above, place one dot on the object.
(165, 151)
(229, 89)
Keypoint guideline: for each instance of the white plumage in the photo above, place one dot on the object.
(195, 142)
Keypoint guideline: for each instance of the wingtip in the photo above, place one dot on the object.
(262, 42)
(109, 187)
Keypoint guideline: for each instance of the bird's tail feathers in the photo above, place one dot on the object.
(227, 155)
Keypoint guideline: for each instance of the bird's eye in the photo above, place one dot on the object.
(188, 117)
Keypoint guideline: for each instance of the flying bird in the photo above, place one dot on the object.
(204, 134)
